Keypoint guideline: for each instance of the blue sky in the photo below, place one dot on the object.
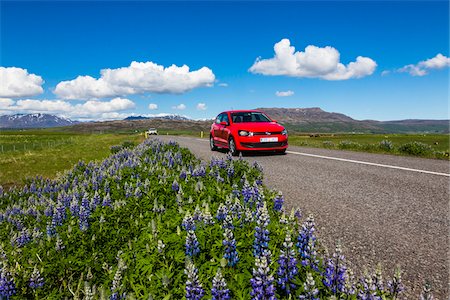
(60, 41)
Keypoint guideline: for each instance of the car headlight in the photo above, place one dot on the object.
(245, 133)
(284, 132)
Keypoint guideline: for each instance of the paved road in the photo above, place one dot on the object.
(396, 216)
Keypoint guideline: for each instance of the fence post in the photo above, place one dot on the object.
(201, 134)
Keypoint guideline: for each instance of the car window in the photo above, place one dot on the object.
(248, 117)
(219, 117)
(225, 118)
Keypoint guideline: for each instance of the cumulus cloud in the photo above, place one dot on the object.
(422, 68)
(223, 84)
(284, 94)
(17, 82)
(137, 78)
(153, 106)
(179, 107)
(89, 110)
(313, 62)
(201, 106)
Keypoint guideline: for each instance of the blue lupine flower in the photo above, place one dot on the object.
(192, 245)
(207, 217)
(7, 285)
(85, 212)
(426, 293)
(230, 171)
(228, 222)
(107, 200)
(367, 289)
(21, 239)
(231, 254)
(59, 214)
(287, 262)
(306, 243)
(310, 291)
(183, 174)
(197, 214)
(262, 281)
(261, 242)
(175, 186)
(221, 212)
(74, 206)
(188, 222)
(36, 280)
(336, 272)
(219, 289)
(194, 290)
(51, 228)
(247, 192)
(117, 281)
(395, 286)
(278, 202)
(137, 192)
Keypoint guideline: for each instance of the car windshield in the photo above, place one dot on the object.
(249, 117)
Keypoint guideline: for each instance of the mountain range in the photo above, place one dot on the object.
(18, 121)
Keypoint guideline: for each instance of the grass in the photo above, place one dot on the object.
(45, 153)
(435, 145)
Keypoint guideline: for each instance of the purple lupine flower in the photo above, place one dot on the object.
(22, 238)
(395, 286)
(278, 202)
(287, 262)
(207, 217)
(222, 212)
(117, 281)
(175, 186)
(36, 280)
(197, 214)
(336, 272)
(7, 285)
(367, 289)
(107, 200)
(298, 214)
(59, 214)
(85, 212)
(261, 242)
(310, 291)
(183, 174)
(192, 245)
(247, 192)
(51, 228)
(306, 242)
(378, 280)
(95, 200)
(137, 192)
(194, 290)
(74, 206)
(188, 222)
(262, 281)
(48, 212)
(219, 289)
(228, 222)
(230, 171)
(231, 254)
(426, 293)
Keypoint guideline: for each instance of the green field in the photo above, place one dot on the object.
(434, 145)
(30, 153)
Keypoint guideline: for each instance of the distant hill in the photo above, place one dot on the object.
(161, 116)
(19, 121)
(317, 120)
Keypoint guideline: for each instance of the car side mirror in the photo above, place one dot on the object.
(275, 121)
(223, 123)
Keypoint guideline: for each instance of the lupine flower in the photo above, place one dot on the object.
(207, 217)
(231, 254)
(310, 291)
(228, 222)
(192, 246)
(137, 192)
(221, 212)
(262, 281)
(426, 292)
(22, 238)
(183, 174)
(117, 281)
(161, 246)
(194, 289)
(367, 288)
(219, 289)
(378, 279)
(306, 242)
(287, 262)
(261, 243)
(248, 215)
(7, 285)
(188, 222)
(85, 212)
(197, 214)
(230, 171)
(395, 286)
(247, 192)
(36, 280)
(74, 207)
(107, 200)
(236, 208)
(51, 229)
(95, 200)
(278, 202)
(59, 245)
(336, 272)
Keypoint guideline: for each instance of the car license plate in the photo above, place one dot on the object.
(271, 139)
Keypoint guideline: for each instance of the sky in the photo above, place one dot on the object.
(386, 60)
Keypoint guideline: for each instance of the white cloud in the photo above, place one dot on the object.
(138, 78)
(422, 68)
(284, 94)
(201, 106)
(153, 106)
(179, 107)
(314, 62)
(17, 82)
(385, 72)
(223, 84)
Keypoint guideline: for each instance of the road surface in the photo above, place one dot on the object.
(383, 208)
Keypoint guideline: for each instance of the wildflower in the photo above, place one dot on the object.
(59, 244)
(247, 192)
(137, 192)
(7, 285)
(262, 281)
(367, 288)
(221, 212)
(378, 279)
(231, 254)
(278, 202)
(426, 292)
(192, 246)
(194, 289)
(161, 246)
(183, 174)
(310, 291)
(219, 289)
(21, 239)
(175, 186)
(335, 272)
(248, 215)
(84, 214)
(197, 214)
(306, 242)
(207, 218)
(95, 200)
(74, 208)
(188, 222)
(230, 171)
(228, 222)
(36, 280)
(117, 281)
(395, 286)
(287, 262)
(261, 243)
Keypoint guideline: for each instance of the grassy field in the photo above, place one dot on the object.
(25, 154)
(431, 145)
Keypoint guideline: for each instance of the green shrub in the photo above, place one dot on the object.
(416, 148)
(127, 144)
(386, 145)
(349, 145)
(328, 144)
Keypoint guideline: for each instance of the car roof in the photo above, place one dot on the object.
(240, 110)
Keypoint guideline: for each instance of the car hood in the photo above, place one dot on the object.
(259, 127)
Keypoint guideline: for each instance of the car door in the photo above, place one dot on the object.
(217, 129)
(225, 130)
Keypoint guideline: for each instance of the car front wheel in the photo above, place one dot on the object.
(211, 144)
(232, 147)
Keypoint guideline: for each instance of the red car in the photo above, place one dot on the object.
(247, 130)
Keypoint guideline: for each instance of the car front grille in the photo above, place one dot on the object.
(266, 133)
(264, 145)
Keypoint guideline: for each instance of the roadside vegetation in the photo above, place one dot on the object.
(29, 153)
(421, 145)
(154, 222)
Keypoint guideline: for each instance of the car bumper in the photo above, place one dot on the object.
(254, 143)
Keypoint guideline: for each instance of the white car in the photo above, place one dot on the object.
(152, 131)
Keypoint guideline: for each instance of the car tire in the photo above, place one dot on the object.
(211, 143)
(232, 147)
